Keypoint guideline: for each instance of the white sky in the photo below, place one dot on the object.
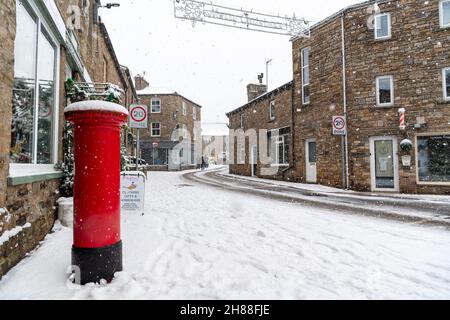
(209, 64)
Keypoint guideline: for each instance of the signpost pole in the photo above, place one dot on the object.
(137, 150)
(343, 162)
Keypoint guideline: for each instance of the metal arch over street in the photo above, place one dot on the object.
(198, 11)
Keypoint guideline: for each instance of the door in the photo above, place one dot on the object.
(384, 164)
(311, 159)
(174, 163)
(254, 160)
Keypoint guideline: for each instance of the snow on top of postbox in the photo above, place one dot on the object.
(96, 105)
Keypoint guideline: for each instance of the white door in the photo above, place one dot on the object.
(254, 160)
(384, 164)
(311, 159)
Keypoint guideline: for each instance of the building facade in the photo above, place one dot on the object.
(43, 44)
(373, 63)
(174, 128)
(262, 129)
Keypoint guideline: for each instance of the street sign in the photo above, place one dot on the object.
(132, 191)
(339, 126)
(138, 116)
(155, 144)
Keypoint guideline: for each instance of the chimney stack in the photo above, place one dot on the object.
(140, 83)
(256, 90)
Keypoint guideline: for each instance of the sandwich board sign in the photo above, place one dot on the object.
(132, 191)
(138, 116)
(339, 126)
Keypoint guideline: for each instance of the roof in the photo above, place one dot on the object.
(340, 12)
(110, 46)
(154, 91)
(263, 97)
(127, 72)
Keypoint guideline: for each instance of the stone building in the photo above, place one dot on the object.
(215, 142)
(174, 129)
(368, 62)
(65, 39)
(250, 147)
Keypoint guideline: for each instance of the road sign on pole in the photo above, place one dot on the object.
(138, 116)
(339, 126)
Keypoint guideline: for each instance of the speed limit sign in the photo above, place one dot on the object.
(339, 126)
(138, 116)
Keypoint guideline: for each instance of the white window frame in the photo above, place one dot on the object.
(444, 84)
(303, 67)
(389, 35)
(242, 120)
(272, 110)
(377, 80)
(418, 181)
(151, 128)
(184, 108)
(441, 14)
(151, 105)
(275, 141)
(29, 169)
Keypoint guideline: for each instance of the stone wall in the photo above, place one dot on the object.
(256, 116)
(32, 214)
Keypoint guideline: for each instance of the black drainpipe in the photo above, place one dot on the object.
(292, 162)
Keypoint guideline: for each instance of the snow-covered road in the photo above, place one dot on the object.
(199, 242)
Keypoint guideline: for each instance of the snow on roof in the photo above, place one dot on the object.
(96, 105)
(156, 90)
(215, 129)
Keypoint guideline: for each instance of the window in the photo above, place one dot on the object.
(305, 76)
(156, 105)
(194, 113)
(272, 110)
(241, 153)
(382, 26)
(433, 156)
(385, 91)
(156, 129)
(34, 107)
(445, 13)
(446, 83)
(242, 121)
(184, 108)
(279, 146)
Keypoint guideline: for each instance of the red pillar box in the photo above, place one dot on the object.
(97, 247)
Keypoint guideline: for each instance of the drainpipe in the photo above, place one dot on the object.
(292, 162)
(344, 94)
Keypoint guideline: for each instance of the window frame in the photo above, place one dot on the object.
(445, 84)
(184, 108)
(194, 113)
(303, 67)
(151, 105)
(151, 127)
(377, 93)
(280, 139)
(43, 29)
(389, 35)
(441, 14)
(272, 112)
(241, 120)
(416, 155)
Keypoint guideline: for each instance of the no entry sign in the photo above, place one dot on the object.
(138, 116)
(339, 126)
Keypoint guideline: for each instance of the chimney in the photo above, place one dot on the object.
(140, 82)
(256, 90)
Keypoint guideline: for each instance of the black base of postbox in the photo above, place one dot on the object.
(95, 264)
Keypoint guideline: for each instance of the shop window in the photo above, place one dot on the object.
(433, 156)
(34, 104)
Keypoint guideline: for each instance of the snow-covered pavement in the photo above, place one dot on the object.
(199, 242)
